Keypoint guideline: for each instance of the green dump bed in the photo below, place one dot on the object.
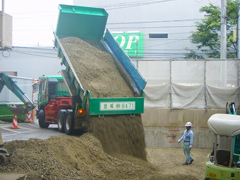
(89, 23)
(81, 22)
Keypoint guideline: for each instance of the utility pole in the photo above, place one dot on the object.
(238, 43)
(223, 53)
(238, 32)
(3, 25)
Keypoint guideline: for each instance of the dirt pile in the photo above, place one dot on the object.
(70, 157)
(98, 73)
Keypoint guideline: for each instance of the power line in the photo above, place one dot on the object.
(35, 12)
(32, 54)
(36, 48)
(134, 4)
(162, 21)
(129, 3)
(150, 27)
(168, 42)
(38, 53)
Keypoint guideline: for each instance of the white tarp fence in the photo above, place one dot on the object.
(176, 84)
(183, 84)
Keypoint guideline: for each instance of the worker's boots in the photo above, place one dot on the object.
(9, 155)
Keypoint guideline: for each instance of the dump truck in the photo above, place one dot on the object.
(223, 163)
(88, 24)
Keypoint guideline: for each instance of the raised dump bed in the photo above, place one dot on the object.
(89, 24)
(81, 22)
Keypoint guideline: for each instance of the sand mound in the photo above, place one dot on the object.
(71, 157)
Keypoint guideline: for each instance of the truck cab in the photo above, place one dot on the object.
(224, 160)
(53, 96)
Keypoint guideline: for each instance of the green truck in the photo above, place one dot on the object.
(224, 163)
(86, 23)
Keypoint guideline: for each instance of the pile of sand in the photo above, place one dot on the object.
(77, 158)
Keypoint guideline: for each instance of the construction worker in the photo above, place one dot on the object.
(188, 142)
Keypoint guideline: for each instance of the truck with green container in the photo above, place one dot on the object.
(88, 24)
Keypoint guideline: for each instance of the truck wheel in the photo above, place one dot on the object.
(2, 159)
(41, 120)
(69, 123)
(61, 120)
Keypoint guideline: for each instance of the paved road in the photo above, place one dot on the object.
(27, 131)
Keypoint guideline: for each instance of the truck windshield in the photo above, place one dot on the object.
(62, 86)
(62, 89)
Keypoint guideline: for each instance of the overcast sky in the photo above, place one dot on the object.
(33, 20)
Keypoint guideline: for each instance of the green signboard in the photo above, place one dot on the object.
(131, 43)
(108, 106)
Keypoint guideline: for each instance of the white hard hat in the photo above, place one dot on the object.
(188, 124)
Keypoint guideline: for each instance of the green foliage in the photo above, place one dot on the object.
(207, 36)
(192, 55)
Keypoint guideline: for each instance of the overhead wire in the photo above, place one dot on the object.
(36, 48)
(34, 51)
(32, 54)
(141, 27)
(129, 3)
(134, 4)
(151, 21)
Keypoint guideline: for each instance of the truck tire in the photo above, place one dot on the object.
(2, 159)
(41, 120)
(69, 123)
(61, 120)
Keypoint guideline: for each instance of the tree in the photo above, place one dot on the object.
(207, 36)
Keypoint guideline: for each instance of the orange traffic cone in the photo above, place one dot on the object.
(28, 120)
(15, 126)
